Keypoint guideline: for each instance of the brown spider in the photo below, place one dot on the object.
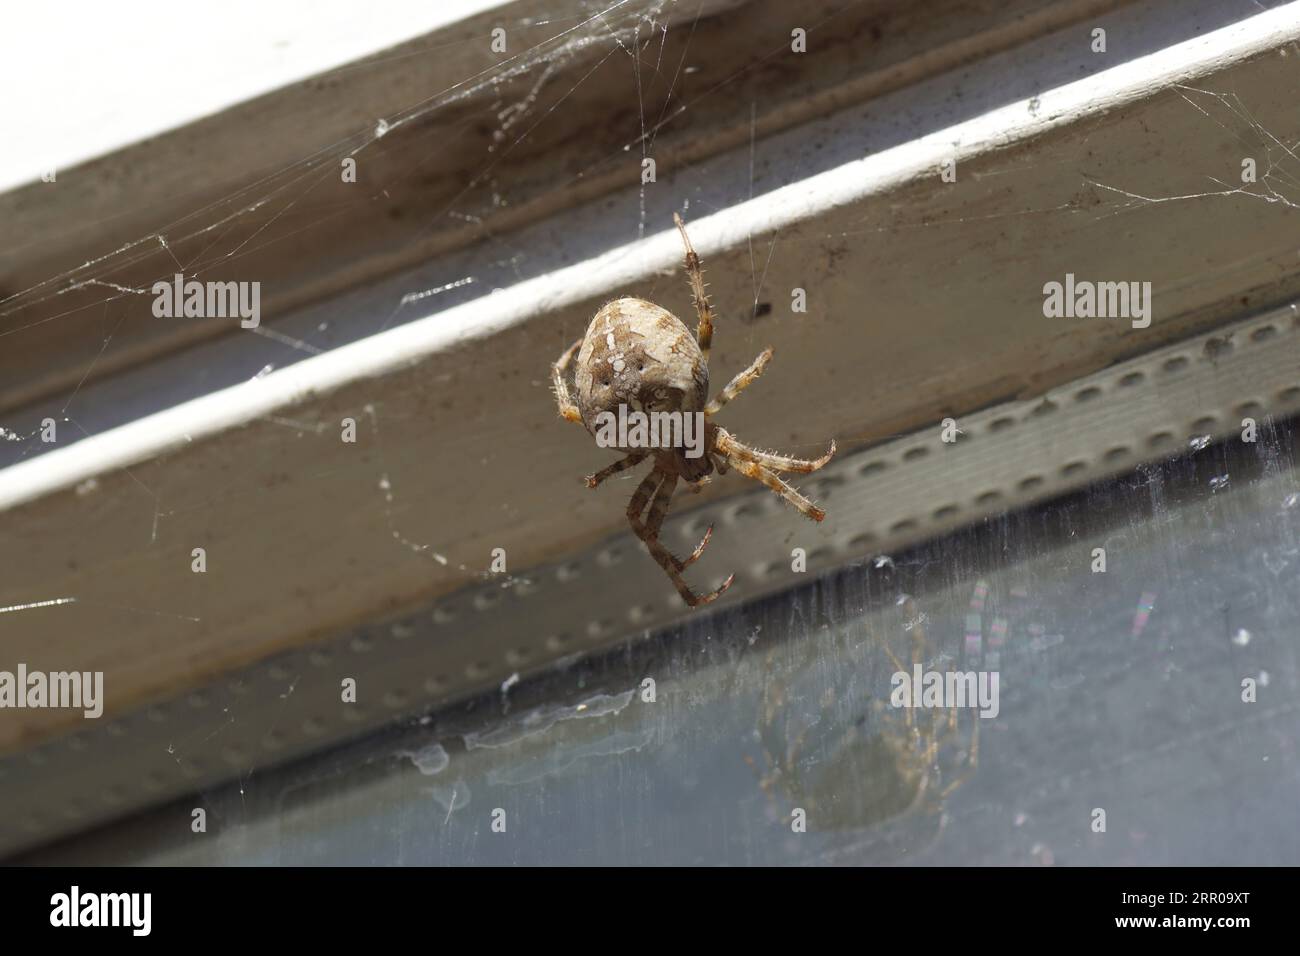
(639, 356)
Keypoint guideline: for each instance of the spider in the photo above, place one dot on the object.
(637, 355)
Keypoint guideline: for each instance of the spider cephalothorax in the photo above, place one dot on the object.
(639, 362)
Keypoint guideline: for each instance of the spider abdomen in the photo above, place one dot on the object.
(640, 355)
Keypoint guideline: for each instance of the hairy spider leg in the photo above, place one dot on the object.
(655, 483)
(704, 332)
(623, 464)
(655, 521)
(568, 410)
(740, 382)
(756, 471)
(728, 445)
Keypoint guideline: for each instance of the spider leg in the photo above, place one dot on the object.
(752, 469)
(568, 410)
(623, 464)
(704, 332)
(641, 497)
(655, 521)
(671, 566)
(740, 382)
(729, 446)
